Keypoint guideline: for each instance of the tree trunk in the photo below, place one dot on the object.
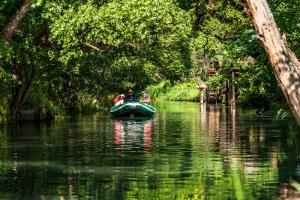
(21, 87)
(11, 27)
(21, 90)
(284, 62)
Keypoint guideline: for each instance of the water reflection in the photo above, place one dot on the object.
(201, 152)
(252, 146)
(133, 132)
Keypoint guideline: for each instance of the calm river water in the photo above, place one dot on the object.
(185, 152)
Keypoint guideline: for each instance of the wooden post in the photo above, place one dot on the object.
(202, 87)
(233, 90)
(233, 115)
(201, 96)
(226, 92)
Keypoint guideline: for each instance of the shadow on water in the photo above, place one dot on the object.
(187, 151)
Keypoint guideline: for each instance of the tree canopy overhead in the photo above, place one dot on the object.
(63, 53)
(135, 40)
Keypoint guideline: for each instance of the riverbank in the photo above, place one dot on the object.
(187, 91)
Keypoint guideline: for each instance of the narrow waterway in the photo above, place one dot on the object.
(186, 151)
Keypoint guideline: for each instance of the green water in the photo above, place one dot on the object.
(185, 152)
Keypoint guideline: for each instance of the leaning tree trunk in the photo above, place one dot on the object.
(11, 27)
(20, 91)
(284, 62)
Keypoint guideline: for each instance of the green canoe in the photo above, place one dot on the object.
(133, 109)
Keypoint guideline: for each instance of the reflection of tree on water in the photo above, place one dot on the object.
(249, 150)
(131, 133)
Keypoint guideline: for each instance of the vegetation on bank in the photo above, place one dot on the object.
(262, 102)
(70, 57)
(179, 92)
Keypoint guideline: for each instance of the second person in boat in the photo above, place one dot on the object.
(146, 98)
(130, 96)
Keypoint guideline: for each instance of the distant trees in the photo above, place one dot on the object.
(58, 54)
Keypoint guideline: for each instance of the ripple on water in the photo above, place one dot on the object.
(180, 154)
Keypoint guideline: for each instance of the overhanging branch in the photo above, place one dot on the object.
(11, 27)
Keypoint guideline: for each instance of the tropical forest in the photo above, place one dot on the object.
(150, 99)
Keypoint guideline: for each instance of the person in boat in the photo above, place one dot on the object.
(131, 96)
(119, 100)
(146, 98)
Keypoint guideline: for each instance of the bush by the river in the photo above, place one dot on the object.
(186, 91)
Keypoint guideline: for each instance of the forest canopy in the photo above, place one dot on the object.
(63, 55)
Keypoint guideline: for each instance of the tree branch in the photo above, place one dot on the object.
(11, 27)
(93, 47)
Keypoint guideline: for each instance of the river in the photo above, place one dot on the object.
(186, 151)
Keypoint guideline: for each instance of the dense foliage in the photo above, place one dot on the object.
(74, 55)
